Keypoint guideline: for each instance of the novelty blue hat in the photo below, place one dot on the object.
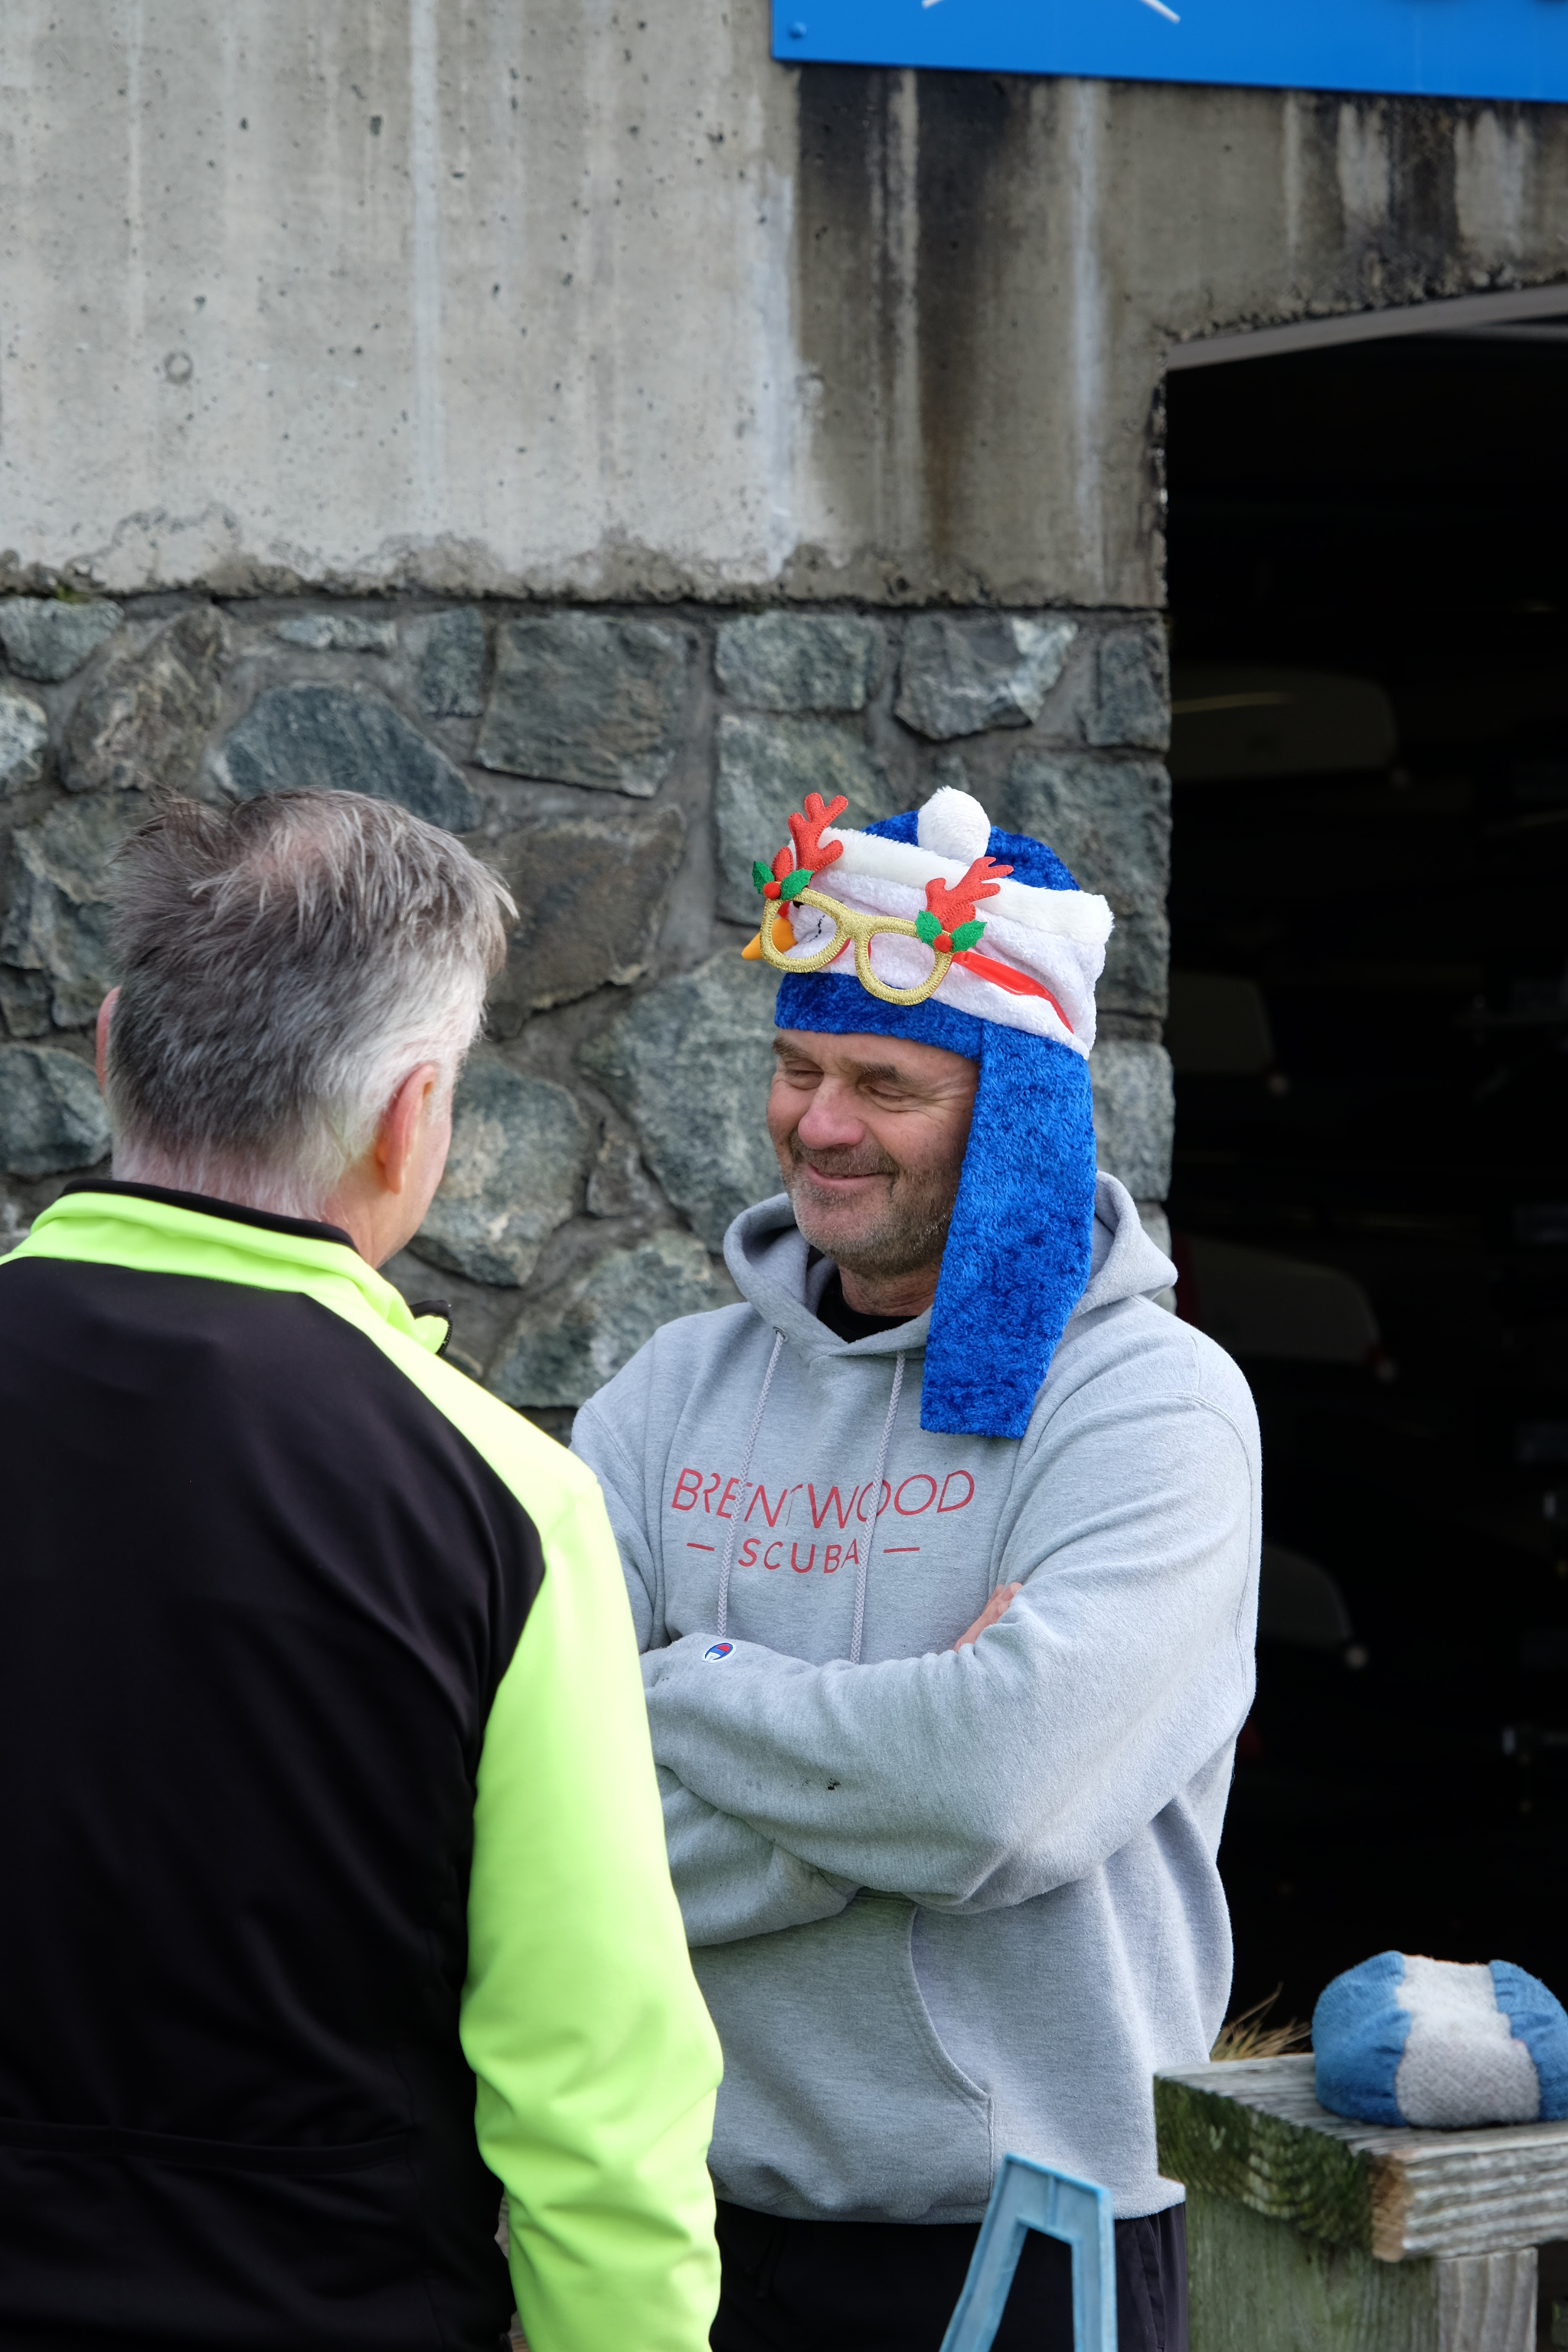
(901, 899)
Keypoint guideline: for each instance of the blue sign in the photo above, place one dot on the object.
(1438, 48)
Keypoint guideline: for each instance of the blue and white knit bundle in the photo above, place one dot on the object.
(1441, 2046)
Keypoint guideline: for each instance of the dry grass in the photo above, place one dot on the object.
(1250, 2035)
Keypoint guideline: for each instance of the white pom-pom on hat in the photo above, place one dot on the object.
(953, 824)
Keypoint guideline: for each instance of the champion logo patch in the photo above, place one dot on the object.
(718, 1650)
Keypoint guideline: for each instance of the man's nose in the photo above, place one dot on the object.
(831, 1119)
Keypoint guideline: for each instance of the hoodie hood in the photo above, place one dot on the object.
(777, 1272)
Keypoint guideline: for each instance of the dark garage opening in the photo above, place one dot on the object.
(1369, 1022)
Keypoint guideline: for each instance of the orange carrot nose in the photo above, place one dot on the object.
(784, 934)
(752, 950)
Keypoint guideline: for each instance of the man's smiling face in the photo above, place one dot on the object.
(870, 1134)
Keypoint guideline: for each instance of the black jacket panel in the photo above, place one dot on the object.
(256, 1596)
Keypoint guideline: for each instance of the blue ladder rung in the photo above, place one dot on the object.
(1029, 2196)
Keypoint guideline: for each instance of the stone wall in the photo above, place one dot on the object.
(621, 768)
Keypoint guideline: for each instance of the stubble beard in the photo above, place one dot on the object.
(907, 1235)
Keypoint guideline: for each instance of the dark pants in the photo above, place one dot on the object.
(891, 2287)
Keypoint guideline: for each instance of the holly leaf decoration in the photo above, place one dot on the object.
(760, 875)
(793, 883)
(967, 935)
(928, 928)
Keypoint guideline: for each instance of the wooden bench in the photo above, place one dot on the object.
(1309, 2233)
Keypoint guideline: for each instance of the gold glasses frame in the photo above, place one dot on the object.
(850, 924)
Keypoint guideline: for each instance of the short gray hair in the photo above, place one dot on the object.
(284, 964)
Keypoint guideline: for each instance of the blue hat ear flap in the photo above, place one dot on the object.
(1019, 1247)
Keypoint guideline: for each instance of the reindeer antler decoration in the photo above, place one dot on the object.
(788, 878)
(948, 923)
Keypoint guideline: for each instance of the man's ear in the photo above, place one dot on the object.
(105, 1015)
(398, 1136)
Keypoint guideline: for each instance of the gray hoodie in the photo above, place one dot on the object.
(943, 1904)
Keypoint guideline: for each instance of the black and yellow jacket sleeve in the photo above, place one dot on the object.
(333, 1883)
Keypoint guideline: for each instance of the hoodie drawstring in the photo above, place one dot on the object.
(863, 1569)
(739, 1513)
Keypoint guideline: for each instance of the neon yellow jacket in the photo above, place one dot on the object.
(147, 1330)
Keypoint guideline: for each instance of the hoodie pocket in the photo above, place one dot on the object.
(838, 2097)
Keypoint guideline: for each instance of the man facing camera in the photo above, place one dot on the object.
(335, 1892)
(942, 1553)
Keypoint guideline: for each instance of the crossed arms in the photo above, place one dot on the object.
(976, 1778)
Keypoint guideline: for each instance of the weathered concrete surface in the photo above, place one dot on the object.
(572, 302)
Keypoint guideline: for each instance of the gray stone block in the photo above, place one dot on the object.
(567, 1345)
(142, 723)
(24, 739)
(450, 683)
(591, 893)
(1134, 1113)
(342, 633)
(49, 639)
(800, 661)
(1109, 821)
(1137, 975)
(616, 1185)
(52, 1116)
(58, 923)
(766, 767)
(690, 1065)
(311, 738)
(1132, 687)
(519, 1145)
(583, 698)
(23, 1001)
(961, 675)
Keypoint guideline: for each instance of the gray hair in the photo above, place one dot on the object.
(284, 965)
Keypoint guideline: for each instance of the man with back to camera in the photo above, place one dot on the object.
(328, 1806)
(942, 1551)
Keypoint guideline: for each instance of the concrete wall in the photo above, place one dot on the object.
(572, 300)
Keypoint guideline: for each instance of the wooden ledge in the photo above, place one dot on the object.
(1251, 2130)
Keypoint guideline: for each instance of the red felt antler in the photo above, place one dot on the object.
(957, 905)
(806, 832)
